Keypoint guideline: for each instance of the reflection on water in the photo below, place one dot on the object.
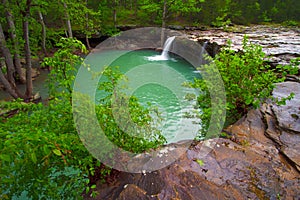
(39, 86)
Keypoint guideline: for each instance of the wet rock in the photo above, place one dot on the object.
(132, 192)
(259, 161)
(253, 170)
(284, 123)
(290, 147)
(288, 116)
(176, 27)
(285, 58)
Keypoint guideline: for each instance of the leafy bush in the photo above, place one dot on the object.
(221, 22)
(63, 66)
(290, 23)
(39, 146)
(41, 154)
(247, 78)
(140, 134)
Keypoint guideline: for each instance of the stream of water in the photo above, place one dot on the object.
(39, 86)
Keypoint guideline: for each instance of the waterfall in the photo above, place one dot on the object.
(203, 52)
(204, 47)
(165, 53)
(166, 48)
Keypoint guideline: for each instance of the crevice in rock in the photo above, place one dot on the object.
(280, 128)
(293, 78)
(289, 161)
(278, 144)
(276, 141)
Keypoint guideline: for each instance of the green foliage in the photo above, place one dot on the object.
(265, 18)
(176, 8)
(247, 78)
(200, 162)
(221, 22)
(223, 19)
(224, 135)
(41, 153)
(63, 66)
(290, 23)
(116, 109)
(83, 18)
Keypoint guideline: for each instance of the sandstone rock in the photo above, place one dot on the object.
(291, 147)
(132, 192)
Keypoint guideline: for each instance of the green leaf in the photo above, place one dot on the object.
(46, 150)
(57, 152)
(200, 162)
(5, 157)
(248, 101)
(33, 157)
(93, 186)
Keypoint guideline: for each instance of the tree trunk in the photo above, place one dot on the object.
(41, 20)
(8, 80)
(135, 9)
(68, 21)
(87, 42)
(8, 58)
(87, 28)
(115, 13)
(15, 43)
(6, 84)
(29, 86)
(162, 36)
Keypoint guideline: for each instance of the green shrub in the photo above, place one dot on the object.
(247, 77)
(135, 139)
(41, 154)
(63, 66)
(290, 23)
(221, 22)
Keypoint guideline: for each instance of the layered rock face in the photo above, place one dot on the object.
(258, 160)
(280, 43)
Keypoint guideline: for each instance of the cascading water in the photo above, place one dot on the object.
(202, 52)
(165, 53)
(166, 48)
